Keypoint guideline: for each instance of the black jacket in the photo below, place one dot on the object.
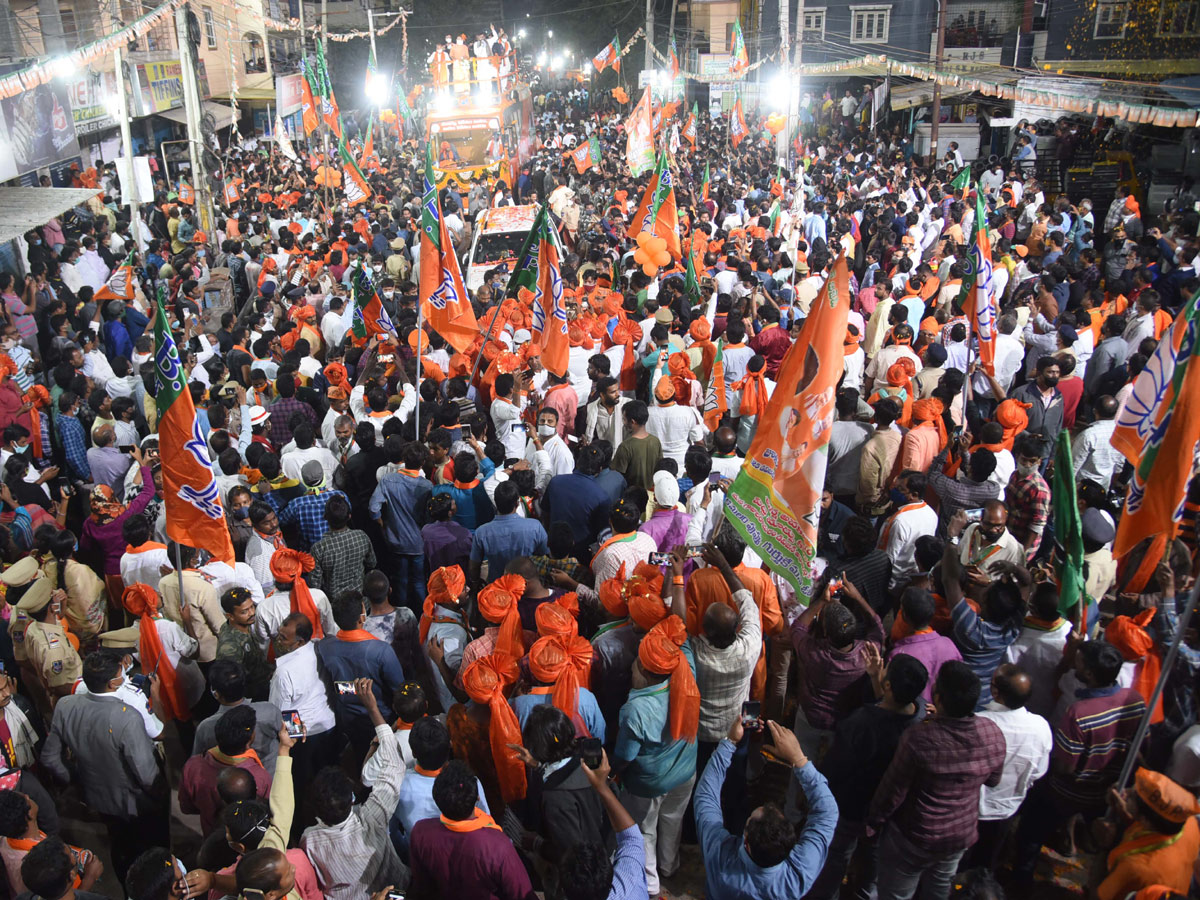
(565, 810)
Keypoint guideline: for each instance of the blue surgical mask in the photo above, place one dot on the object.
(897, 497)
(200, 254)
(241, 512)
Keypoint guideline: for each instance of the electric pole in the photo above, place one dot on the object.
(649, 35)
(937, 86)
(191, 109)
(785, 62)
(127, 147)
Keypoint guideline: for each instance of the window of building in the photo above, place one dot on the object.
(210, 29)
(1179, 18)
(813, 27)
(869, 24)
(1111, 18)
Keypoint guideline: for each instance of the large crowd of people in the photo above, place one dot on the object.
(488, 631)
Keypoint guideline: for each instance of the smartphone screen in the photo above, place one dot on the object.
(344, 687)
(751, 711)
(695, 551)
(660, 559)
(590, 750)
(291, 718)
(518, 429)
(714, 478)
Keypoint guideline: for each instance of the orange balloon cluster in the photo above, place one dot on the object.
(776, 123)
(387, 116)
(620, 95)
(651, 253)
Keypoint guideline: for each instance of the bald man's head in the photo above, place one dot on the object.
(234, 784)
(720, 625)
(724, 440)
(1011, 686)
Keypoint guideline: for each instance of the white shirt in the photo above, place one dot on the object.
(223, 577)
(97, 368)
(1039, 652)
(1027, 745)
(853, 367)
(884, 360)
(901, 547)
(334, 326)
(676, 427)
(143, 567)
(176, 642)
(276, 607)
(1094, 457)
(293, 461)
(553, 459)
(1005, 466)
(1138, 330)
(296, 685)
(135, 699)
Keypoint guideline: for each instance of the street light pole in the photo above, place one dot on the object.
(649, 35)
(191, 108)
(937, 85)
(127, 146)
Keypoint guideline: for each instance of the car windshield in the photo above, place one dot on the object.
(498, 246)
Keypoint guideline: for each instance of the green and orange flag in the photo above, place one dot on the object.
(444, 300)
(195, 516)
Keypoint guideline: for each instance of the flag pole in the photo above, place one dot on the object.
(1168, 663)
(421, 343)
(486, 337)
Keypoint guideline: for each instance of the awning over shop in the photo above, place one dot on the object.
(920, 93)
(219, 111)
(23, 208)
(258, 88)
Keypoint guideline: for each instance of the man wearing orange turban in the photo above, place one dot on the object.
(702, 350)
(657, 765)
(926, 438)
(142, 601)
(486, 682)
(292, 594)
(561, 667)
(443, 628)
(1129, 635)
(1012, 417)
(558, 617)
(898, 387)
(498, 604)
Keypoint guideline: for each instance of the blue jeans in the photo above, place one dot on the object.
(408, 580)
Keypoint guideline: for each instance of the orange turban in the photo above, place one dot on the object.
(498, 604)
(445, 587)
(1011, 414)
(7, 366)
(660, 652)
(564, 662)
(578, 337)
(612, 594)
(142, 601)
(287, 566)
(39, 398)
(1129, 635)
(336, 374)
(931, 411)
(897, 375)
(485, 681)
(559, 617)
(664, 391)
(1167, 798)
(644, 597)
(700, 330)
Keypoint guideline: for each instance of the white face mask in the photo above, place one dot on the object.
(546, 431)
(1027, 470)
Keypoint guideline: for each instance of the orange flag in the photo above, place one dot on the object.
(1157, 431)
(186, 194)
(444, 300)
(639, 137)
(582, 157)
(308, 108)
(549, 307)
(194, 513)
(233, 191)
(774, 502)
(737, 126)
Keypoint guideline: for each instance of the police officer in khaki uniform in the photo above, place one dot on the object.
(51, 654)
(17, 579)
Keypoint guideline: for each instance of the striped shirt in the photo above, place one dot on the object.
(1091, 741)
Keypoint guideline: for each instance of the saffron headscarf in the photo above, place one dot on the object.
(661, 652)
(931, 410)
(105, 505)
(564, 662)
(612, 594)
(1012, 416)
(558, 617)
(445, 586)
(336, 375)
(486, 680)
(287, 567)
(498, 604)
(679, 365)
(142, 601)
(1129, 635)
(754, 392)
